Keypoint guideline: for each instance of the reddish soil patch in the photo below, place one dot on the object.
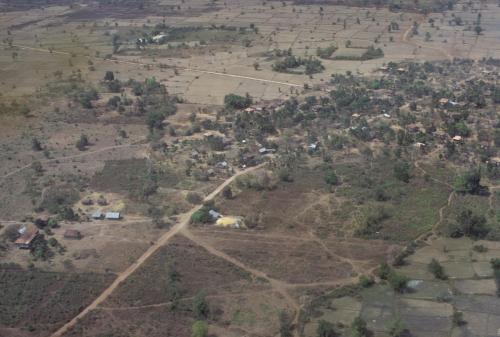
(151, 322)
(288, 259)
(181, 270)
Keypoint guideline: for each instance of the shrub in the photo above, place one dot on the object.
(237, 102)
(331, 178)
(201, 216)
(397, 281)
(437, 270)
(358, 327)
(227, 192)
(199, 329)
(458, 318)
(326, 329)
(397, 328)
(325, 53)
(82, 142)
(402, 171)
(467, 223)
(495, 264)
(366, 281)
(469, 182)
(194, 198)
(200, 306)
(285, 324)
(384, 270)
(480, 248)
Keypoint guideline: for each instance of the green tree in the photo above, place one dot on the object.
(201, 216)
(109, 76)
(326, 329)
(237, 102)
(82, 142)
(468, 182)
(384, 270)
(199, 329)
(402, 171)
(397, 328)
(437, 270)
(397, 281)
(200, 306)
(285, 324)
(36, 145)
(458, 318)
(155, 120)
(227, 192)
(358, 327)
(330, 177)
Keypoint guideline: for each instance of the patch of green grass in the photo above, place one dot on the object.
(243, 317)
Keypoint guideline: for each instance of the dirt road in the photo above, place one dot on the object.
(277, 285)
(180, 225)
(405, 37)
(137, 63)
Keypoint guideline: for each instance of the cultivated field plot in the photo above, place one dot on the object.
(36, 302)
(81, 41)
(428, 306)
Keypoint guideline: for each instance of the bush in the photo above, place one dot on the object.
(200, 306)
(201, 216)
(437, 270)
(458, 318)
(469, 182)
(358, 327)
(366, 281)
(82, 142)
(331, 178)
(109, 76)
(194, 198)
(325, 53)
(480, 248)
(227, 192)
(285, 324)
(326, 329)
(469, 224)
(384, 270)
(237, 102)
(495, 264)
(402, 171)
(199, 329)
(397, 328)
(397, 281)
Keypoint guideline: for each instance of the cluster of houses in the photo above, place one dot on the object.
(29, 232)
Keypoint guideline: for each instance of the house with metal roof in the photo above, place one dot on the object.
(28, 235)
(112, 216)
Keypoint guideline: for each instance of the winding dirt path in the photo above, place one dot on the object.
(405, 38)
(279, 286)
(179, 226)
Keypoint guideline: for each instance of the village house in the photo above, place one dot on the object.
(97, 215)
(72, 234)
(112, 216)
(28, 234)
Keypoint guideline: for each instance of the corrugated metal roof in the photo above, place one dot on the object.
(113, 215)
